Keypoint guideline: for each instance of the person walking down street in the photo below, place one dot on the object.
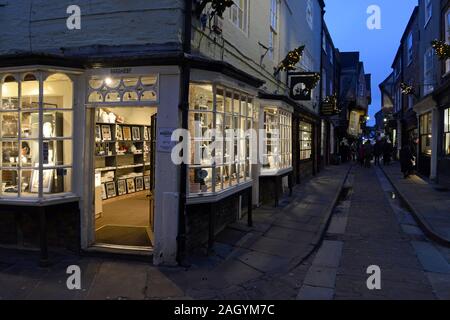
(406, 161)
(361, 154)
(377, 151)
(387, 152)
(354, 151)
(368, 154)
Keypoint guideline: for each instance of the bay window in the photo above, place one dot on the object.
(425, 133)
(306, 138)
(36, 134)
(277, 148)
(219, 119)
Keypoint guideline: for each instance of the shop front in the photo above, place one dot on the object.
(79, 155)
(307, 153)
(39, 168)
(87, 161)
(276, 170)
(425, 143)
(442, 96)
(222, 179)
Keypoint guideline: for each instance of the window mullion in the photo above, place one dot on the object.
(19, 136)
(41, 140)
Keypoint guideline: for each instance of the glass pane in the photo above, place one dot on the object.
(10, 94)
(200, 123)
(57, 181)
(29, 126)
(220, 103)
(58, 92)
(10, 124)
(447, 144)
(9, 183)
(236, 104)
(96, 82)
(200, 180)
(244, 108)
(95, 96)
(26, 181)
(29, 153)
(57, 124)
(112, 83)
(30, 94)
(229, 102)
(149, 81)
(130, 82)
(112, 96)
(57, 152)
(219, 179)
(148, 95)
(130, 96)
(233, 174)
(447, 120)
(10, 154)
(200, 97)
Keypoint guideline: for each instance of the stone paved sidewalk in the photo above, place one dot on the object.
(263, 262)
(374, 237)
(428, 202)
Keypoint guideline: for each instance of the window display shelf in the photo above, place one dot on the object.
(122, 160)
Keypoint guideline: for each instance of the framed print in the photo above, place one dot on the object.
(106, 133)
(111, 190)
(131, 188)
(98, 133)
(126, 133)
(121, 187)
(104, 196)
(46, 181)
(139, 184)
(146, 135)
(119, 133)
(147, 183)
(136, 133)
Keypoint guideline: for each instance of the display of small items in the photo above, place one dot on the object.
(125, 150)
(122, 187)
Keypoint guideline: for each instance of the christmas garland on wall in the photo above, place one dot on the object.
(442, 49)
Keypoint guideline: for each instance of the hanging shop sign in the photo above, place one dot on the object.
(329, 106)
(302, 84)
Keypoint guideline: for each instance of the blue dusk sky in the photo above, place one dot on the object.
(346, 20)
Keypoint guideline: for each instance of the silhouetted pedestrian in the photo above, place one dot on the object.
(406, 161)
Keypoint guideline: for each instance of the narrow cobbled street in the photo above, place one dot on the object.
(371, 227)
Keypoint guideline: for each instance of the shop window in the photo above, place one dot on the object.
(447, 132)
(278, 140)
(219, 159)
(306, 139)
(36, 135)
(425, 133)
